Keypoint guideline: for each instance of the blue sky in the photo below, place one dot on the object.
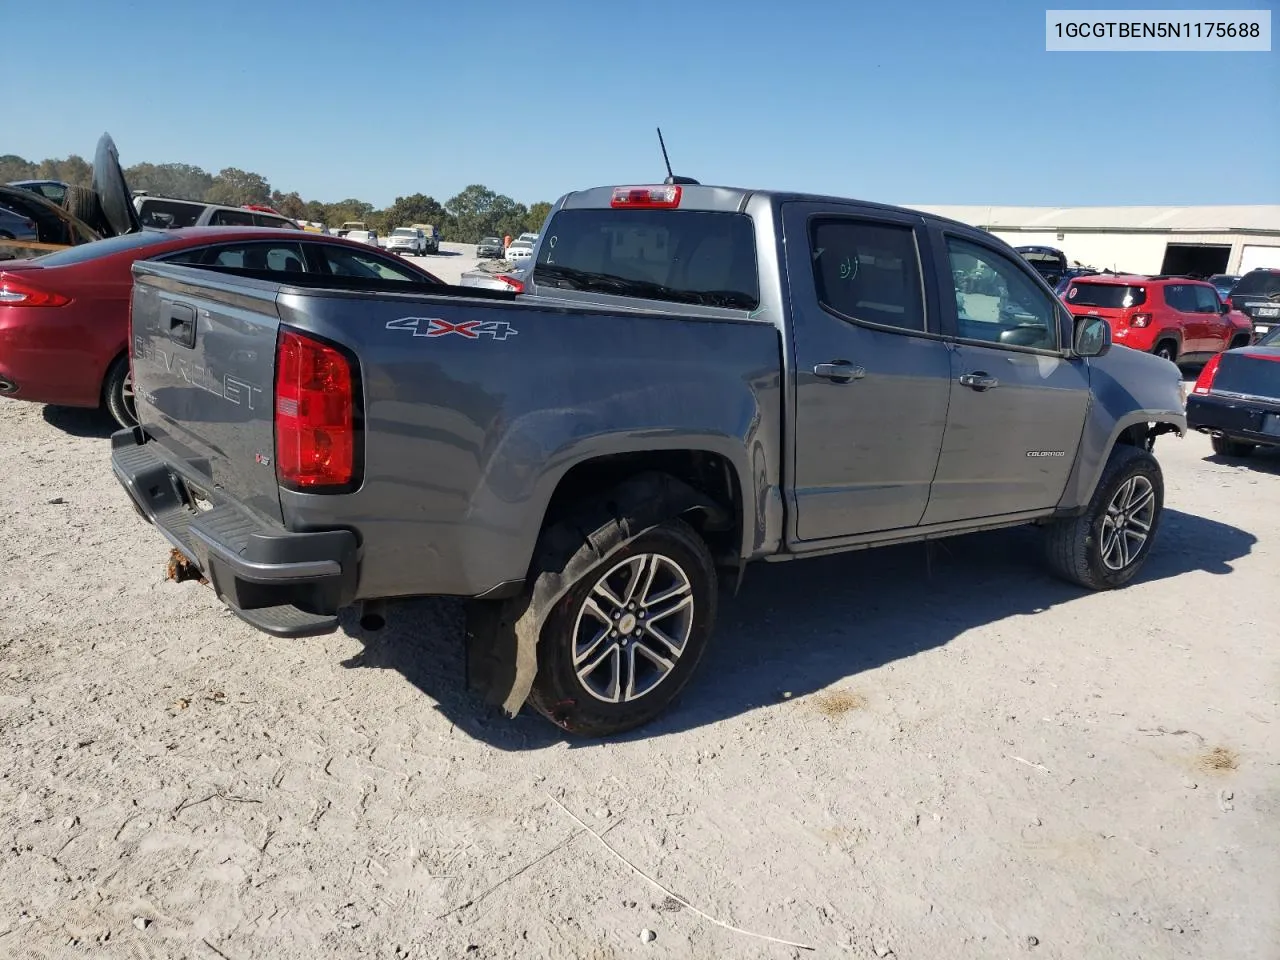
(932, 102)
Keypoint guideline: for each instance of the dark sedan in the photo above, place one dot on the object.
(1236, 400)
(490, 248)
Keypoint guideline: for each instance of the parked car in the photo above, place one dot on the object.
(491, 247)
(410, 241)
(16, 226)
(105, 207)
(167, 213)
(678, 393)
(510, 280)
(55, 191)
(64, 317)
(519, 250)
(432, 235)
(529, 238)
(1178, 319)
(350, 225)
(1257, 296)
(1223, 283)
(1236, 399)
(369, 237)
(1049, 262)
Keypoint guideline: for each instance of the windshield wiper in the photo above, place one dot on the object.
(587, 280)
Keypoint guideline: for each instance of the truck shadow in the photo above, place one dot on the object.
(797, 628)
(80, 421)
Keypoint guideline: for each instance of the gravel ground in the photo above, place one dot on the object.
(906, 753)
(453, 260)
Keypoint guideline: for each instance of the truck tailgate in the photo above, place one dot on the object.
(203, 367)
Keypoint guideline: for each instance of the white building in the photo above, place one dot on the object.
(1142, 240)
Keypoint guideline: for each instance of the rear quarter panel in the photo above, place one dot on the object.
(467, 436)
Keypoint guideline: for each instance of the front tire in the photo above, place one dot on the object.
(117, 393)
(625, 639)
(1108, 544)
(1226, 447)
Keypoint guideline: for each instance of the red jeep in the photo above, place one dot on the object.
(1182, 320)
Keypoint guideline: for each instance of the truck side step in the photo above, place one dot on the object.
(288, 621)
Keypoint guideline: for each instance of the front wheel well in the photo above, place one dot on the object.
(1143, 435)
(710, 474)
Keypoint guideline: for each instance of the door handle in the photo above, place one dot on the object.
(979, 381)
(839, 371)
(182, 324)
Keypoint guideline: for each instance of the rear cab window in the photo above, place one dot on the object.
(701, 257)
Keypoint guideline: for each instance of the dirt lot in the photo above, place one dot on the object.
(939, 755)
(451, 262)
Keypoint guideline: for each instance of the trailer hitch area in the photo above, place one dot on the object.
(179, 568)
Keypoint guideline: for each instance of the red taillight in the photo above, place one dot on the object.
(646, 198)
(517, 286)
(19, 293)
(1140, 320)
(315, 406)
(1204, 382)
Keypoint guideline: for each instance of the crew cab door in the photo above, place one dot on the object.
(1018, 403)
(870, 368)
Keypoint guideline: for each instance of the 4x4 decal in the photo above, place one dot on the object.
(471, 329)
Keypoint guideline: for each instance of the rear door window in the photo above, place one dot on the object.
(169, 214)
(345, 262)
(681, 256)
(1180, 297)
(868, 272)
(232, 218)
(276, 257)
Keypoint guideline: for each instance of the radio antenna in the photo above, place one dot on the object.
(671, 177)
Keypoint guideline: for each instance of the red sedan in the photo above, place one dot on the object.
(64, 317)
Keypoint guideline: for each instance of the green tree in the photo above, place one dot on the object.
(290, 204)
(537, 217)
(479, 212)
(182, 181)
(416, 208)
(14, 167)
(74, 169)
(335, 214)
(236, 187)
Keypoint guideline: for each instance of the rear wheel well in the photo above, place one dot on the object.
(708, 473)
(1240, 340)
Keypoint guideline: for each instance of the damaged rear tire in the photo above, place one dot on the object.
(625, 639)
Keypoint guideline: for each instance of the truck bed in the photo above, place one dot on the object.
(470, 411)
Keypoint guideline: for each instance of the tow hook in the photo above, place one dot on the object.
(373, 615)
(179, 568)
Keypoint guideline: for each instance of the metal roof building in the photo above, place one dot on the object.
(1143, 240)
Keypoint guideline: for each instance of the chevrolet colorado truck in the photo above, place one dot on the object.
(694, 378)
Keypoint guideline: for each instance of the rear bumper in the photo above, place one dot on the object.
(1249, 420)
(284, 583)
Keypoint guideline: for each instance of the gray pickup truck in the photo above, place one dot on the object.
(695, 378)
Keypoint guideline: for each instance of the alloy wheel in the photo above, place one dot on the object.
(632, 628)
(1127, 524)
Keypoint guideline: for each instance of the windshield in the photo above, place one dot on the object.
(403, 232)
(1258, 283)
(490, 241)
(1110, 295)
(683, 256)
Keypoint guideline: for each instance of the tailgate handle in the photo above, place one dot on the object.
(182, 324)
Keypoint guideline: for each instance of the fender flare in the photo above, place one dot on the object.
(1176, 421)
(502, 637)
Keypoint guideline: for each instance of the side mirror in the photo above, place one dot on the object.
(1093, 337)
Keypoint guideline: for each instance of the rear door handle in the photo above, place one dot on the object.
(979, 381)
(839, 371)
(182, 324)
